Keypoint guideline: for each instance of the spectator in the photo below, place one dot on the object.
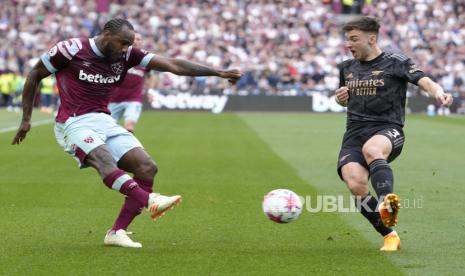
(285, 45)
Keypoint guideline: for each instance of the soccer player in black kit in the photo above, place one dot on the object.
(373, 86)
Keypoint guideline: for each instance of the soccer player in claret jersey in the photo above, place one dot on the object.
(373, 86)
(86, 71)
(126, 99)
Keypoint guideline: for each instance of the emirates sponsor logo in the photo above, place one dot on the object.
(97, 78)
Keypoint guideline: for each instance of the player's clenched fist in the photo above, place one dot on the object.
(342, 95)
(445, 99)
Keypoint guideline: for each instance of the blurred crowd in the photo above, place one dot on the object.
(287, 47)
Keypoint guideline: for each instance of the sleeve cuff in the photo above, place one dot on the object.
(145, 61)
(46, 61)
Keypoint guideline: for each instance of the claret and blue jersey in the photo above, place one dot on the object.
(85, 77)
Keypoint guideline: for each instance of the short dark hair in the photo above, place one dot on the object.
(362, 23)
(116, 24)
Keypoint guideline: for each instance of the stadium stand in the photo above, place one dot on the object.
(284, 47)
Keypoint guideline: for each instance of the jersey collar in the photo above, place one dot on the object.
(95, 49)
(376, 59)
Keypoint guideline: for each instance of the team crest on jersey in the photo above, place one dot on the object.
(53, 51)
(376, 72)
(89, 140)
(117, 68)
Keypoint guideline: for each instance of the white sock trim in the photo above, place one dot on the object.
(120, 181)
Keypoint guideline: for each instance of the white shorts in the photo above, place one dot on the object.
(129, 110)
(79, 135)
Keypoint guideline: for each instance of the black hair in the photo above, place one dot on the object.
(116, 24)
(362, 23)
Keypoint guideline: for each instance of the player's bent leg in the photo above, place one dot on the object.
(136, 198)
(356, 177)
(144, 169)
(376, 150)
(130, 209)
(101, 159)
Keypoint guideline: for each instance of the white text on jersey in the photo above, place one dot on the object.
(97, 78)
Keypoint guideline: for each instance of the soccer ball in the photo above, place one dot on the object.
(282, 206)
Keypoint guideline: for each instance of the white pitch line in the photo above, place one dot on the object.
(33, 124)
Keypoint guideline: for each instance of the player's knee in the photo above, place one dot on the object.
(371, 153)
(148, 168)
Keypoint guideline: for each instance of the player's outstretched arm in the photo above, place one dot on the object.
(31, 86)
(435, 90)
(187, 68)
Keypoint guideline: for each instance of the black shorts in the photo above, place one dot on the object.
(356, 136)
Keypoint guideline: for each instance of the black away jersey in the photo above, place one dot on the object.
(378, 88)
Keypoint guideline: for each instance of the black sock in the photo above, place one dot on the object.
(367, 206)
(382, 178)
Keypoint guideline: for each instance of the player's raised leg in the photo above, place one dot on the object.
(376, 151)
(114, 178)
(138, 162)
(356, 178)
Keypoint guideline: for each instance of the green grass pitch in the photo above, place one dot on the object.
(53, 217)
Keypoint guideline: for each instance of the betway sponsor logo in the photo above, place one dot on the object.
(97, 78)
(186, 101)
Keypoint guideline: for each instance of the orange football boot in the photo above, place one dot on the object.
(389, 210)
(391, 242)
